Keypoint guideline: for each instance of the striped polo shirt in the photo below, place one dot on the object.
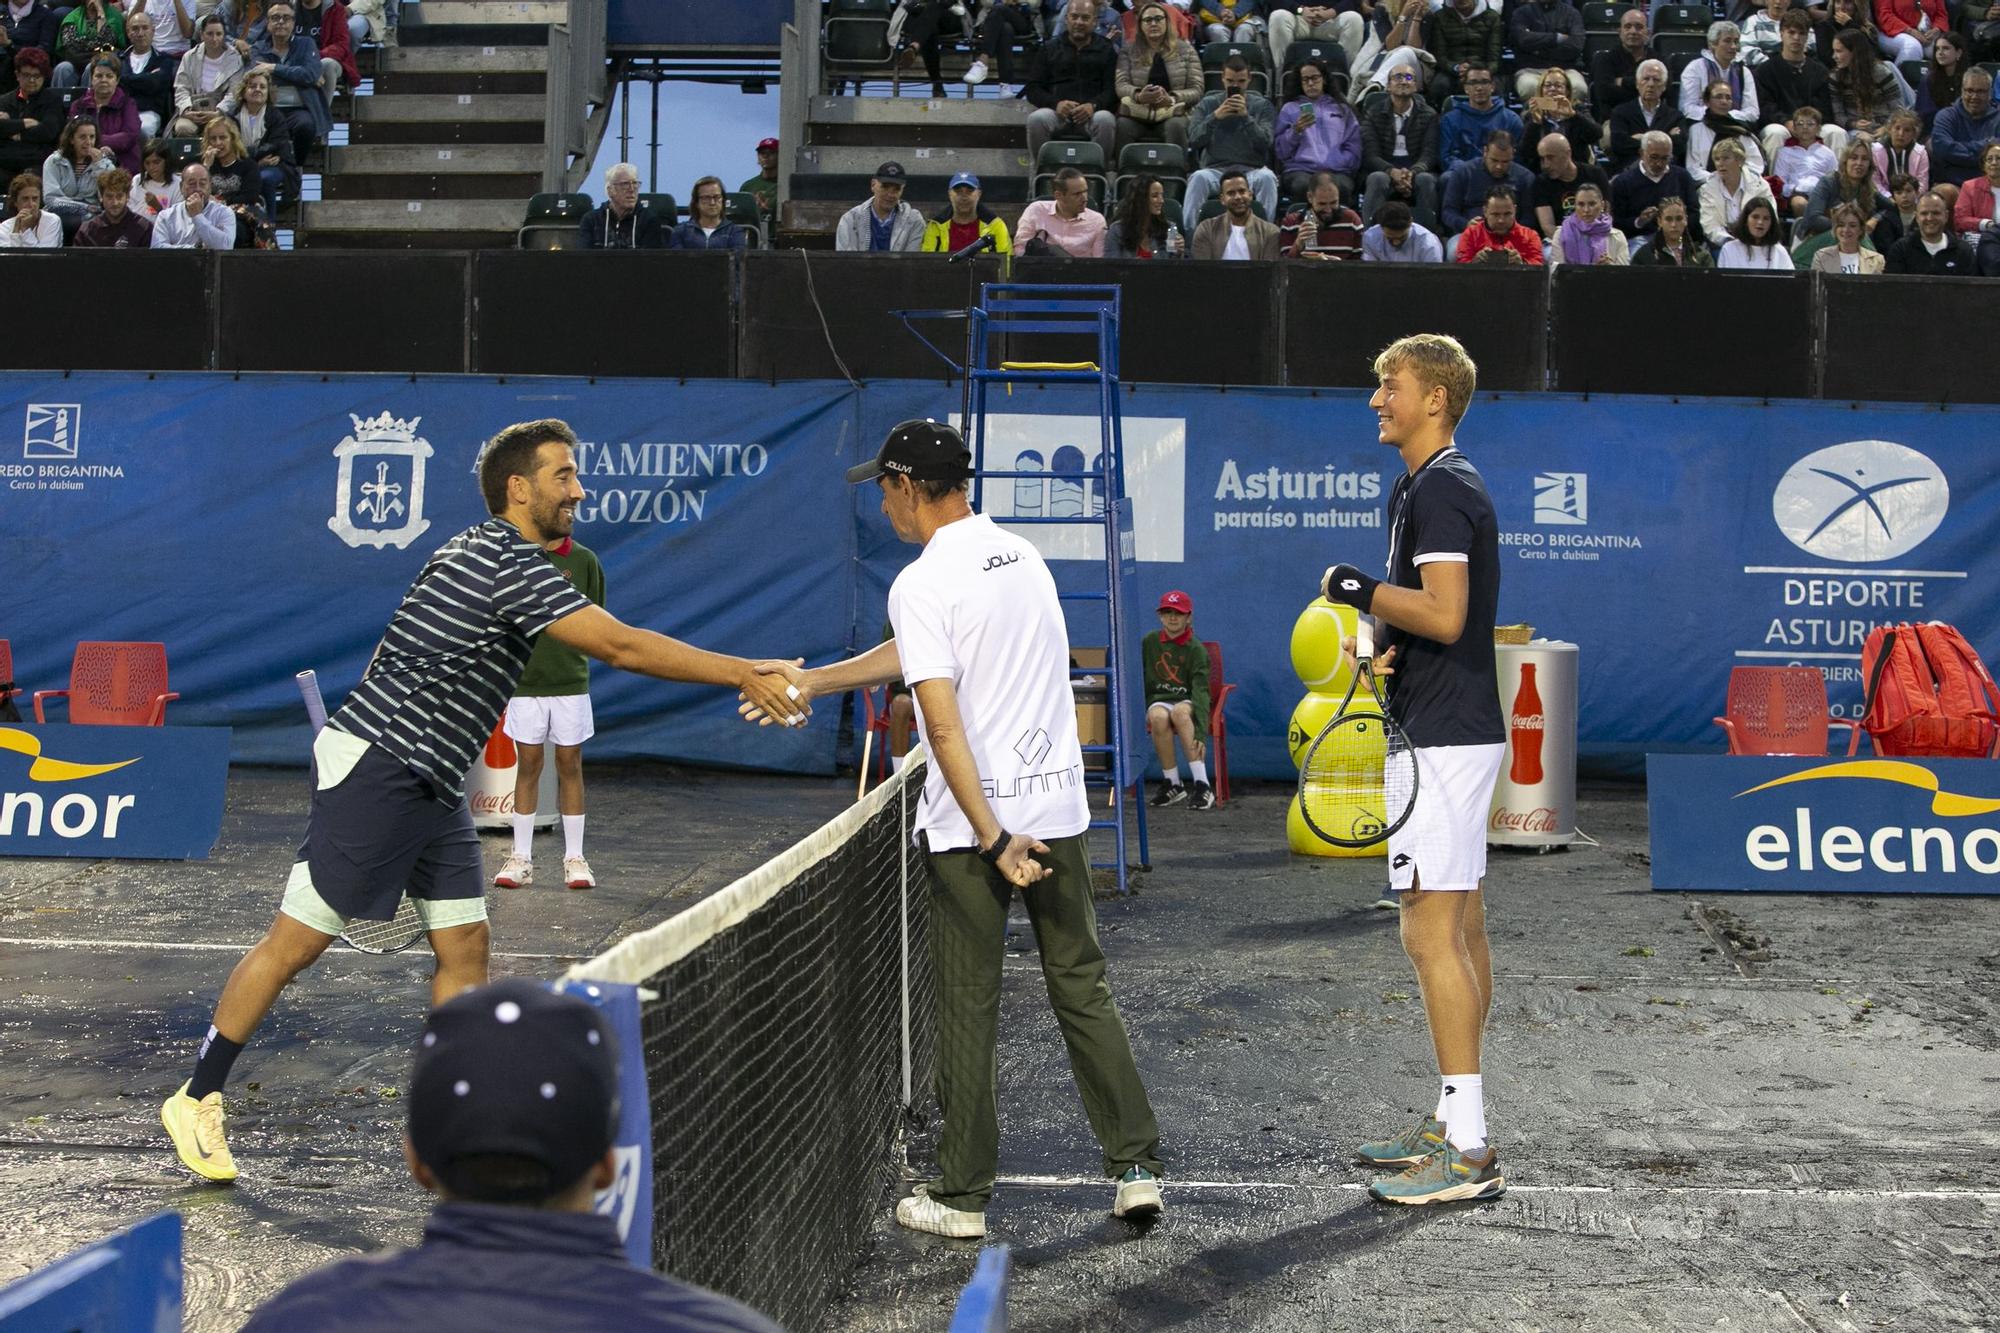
(455, 650)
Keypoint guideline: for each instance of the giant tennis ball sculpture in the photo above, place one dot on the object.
(1302, 840)
(1308, 720)
(1316, 655)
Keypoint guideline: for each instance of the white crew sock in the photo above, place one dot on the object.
(572, 836)
(524, 836)
(1438, 1115)
(1173, 776)
(1464, 1112)
(1198, 771)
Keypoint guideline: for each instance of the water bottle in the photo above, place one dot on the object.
(1173, 240)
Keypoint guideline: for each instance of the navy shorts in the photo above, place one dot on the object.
(382, 832)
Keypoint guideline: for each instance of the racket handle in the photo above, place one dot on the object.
(1364, 638)
(315, 706)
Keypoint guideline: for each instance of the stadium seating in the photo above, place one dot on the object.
(1083, 154)
(855, 37)
(1780, 710)
(1212, 207)
(1329, 53)
(741, 208)
(552, 221)
(1600, 27)
(114, 685)
(183, 150)
(1166, 162)
(1680, 33)
(1218, 729)
(1215, 54)
(661, 206)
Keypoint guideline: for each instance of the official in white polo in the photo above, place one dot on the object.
(979, 637)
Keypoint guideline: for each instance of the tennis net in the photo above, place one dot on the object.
(787, 1050)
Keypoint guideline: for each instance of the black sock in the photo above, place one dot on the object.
(212, 1062)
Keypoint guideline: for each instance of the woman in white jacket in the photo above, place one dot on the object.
(70, 174)
(1729, 190)
(1755, 243)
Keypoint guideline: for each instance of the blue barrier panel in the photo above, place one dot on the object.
(630, 1198)
(655, 23)
(127, 792)
(1813, 825)
(982, 1306)
(264, 526)
(1670, 539)
(126, 1283)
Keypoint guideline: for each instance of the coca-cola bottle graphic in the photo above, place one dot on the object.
(500, 747)
(1526, 729)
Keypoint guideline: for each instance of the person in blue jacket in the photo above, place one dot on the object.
(706, 228)
(513, 1110)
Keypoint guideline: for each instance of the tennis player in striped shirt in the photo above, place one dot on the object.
(388, 809)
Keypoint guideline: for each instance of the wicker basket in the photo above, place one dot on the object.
(1513, 633)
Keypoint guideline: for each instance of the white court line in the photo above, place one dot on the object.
(1728, 1191)
(174, 946)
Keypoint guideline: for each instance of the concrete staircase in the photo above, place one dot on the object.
(447, 150)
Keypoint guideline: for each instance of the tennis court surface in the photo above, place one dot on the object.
(1714, 1111)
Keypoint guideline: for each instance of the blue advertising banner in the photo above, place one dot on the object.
(262, 527)
(629, 1201)
(126, 792)
(1806, 825)
(259, 526)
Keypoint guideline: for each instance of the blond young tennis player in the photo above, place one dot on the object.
(1435, 614)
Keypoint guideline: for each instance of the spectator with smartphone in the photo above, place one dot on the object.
(1233, 129)
(1316, 132)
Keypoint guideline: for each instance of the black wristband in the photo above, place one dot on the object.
(991, 855)
(1348, 585)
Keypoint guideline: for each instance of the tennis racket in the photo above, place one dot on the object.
(1358, 783)
(401, 930)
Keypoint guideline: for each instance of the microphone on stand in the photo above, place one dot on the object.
(967, 252)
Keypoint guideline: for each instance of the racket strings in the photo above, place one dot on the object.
(1359, 781)
(399, 932)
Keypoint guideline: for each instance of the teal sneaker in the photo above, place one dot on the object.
(1138, 1194)
(1412, 1145)
(1446, 1175)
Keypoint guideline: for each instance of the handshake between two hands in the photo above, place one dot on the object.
(777, 692)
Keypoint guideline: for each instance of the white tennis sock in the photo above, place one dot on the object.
(1198, 771)
(572, 836)
(1464, 1112)
(1173, 776)
(524, 836)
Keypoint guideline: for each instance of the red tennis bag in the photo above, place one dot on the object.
(1929, 694)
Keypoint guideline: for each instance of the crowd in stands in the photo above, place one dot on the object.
(1742, 142)
(626, 220)
(206, 114)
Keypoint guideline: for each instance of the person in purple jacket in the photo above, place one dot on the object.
(1317, 131)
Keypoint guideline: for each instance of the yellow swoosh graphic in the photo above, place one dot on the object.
(1890, 770)
(51, 770)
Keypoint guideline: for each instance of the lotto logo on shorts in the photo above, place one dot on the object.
(52, 430)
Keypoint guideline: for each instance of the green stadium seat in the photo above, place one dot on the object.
(552, 221)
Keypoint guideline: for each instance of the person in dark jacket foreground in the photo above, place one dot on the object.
(513, 1107)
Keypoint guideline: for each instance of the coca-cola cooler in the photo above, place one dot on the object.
(1534, 802)
(489, 787)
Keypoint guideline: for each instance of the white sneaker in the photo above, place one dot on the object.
(1138, 1194)
(977, 74)
(1012, 89)
(920, 1212)
(517, 873)
(1389, 902)
(576, 873)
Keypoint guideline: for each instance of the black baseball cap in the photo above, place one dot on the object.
(514, 1069)
(921, 450)
(891, 171)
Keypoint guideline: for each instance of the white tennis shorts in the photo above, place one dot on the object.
(1442, 846)
(565, 719)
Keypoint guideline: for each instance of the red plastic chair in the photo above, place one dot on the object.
(875, 720)
(1780, 710)
(115, 685)
(1218, 729)
(8, 689)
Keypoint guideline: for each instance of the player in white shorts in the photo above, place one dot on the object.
(551, 706)
(1435, 613)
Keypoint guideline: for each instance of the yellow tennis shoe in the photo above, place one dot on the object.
(196, 1129)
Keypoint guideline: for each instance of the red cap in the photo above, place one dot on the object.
(1177, 601)
(770, 145)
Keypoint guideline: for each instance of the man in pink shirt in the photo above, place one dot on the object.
(1066, 221)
